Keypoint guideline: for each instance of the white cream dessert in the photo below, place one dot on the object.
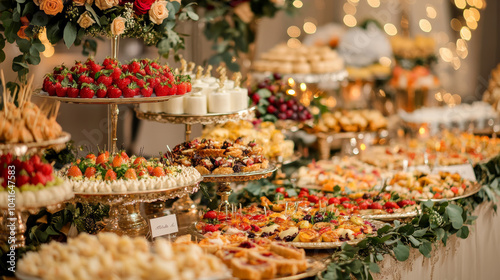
(239, 96)
(174, 105)
(219, 101)
(195, 104)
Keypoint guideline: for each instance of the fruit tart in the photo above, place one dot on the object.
(106, 173)
(30, 183)
(209, 156)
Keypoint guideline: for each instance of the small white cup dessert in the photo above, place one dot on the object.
(195, 104)
(239, 99)
(174, 106)
(219, 101)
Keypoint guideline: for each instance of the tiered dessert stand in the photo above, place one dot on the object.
(19, 215)
(125, 216)
(185, 205)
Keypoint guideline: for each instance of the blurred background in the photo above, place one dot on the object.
(464, 36)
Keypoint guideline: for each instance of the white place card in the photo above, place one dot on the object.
(464, 170)
(164, 225)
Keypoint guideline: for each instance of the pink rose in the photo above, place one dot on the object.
(141, 7)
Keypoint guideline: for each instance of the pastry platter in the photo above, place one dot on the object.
(121, 100)
(241, 176)
(313, 268)
(209, 118)
(475, 189)
(19, 149)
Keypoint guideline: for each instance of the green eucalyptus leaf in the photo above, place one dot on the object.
(193, 15)
(24, 45)
(29, 9)
(2, 56)
(176, 5)
(384, 229)
(40, 19)
(425, 248)
(439, 233)
(454, 213)
(70, 33)
(414, 241)
(374, 267)
(420, 232)
(463, 232)
(171, 11)
(401, 252)
(89, 8)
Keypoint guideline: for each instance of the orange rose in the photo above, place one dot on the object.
(51, 7)
(118, 26)
(21, 32)
(158, 12)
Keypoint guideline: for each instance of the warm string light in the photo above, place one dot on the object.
(451, 52)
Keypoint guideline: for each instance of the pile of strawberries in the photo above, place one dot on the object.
(120, 166)
(31, 171)
(113, 80)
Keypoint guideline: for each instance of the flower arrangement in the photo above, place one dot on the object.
(26, 22)
(231, 24)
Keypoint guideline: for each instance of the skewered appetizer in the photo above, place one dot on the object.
(295, 226)
(266, 135)
(109, 256)
(349, 174)
(105, 173)
(419, 185)
(24, 122)
(213, 157)
(111, 79)
(30, 183)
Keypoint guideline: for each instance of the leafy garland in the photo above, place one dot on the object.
(231, 25)
(30, 23)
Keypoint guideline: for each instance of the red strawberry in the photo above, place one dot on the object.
(109, 61)
(103, 79)
(94, 68)
(153, 82)
(123, 83)
(46, 169)
(74, 171)
(124, 155)
(140, 83)
(139, 161)
(87, 91)
(181, 88)
(118, 160)
(169, 76)
(85, 79)
(125, 68)
(146, 91)
(102, 91)
(131, 90)
(116, 73)
(189, 86)
(142, 172)
(90, 172)
(22, 180)
(59, 77)
(73, 91)
(114, 92)
(210, 215)
(110, 175)
(39, 178)
(161, 90)
(134, 67)
(158, 172)
(142, 72)
(155, 65)
(172, 89)
(28, 167)
(92, 157)
(148, 70)
(130, 174)
(82, 69)
(133, 78)
(211, 228)
(47, 82)
(61, 90)
(51, 90)
(102, 159)
(35, 159)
